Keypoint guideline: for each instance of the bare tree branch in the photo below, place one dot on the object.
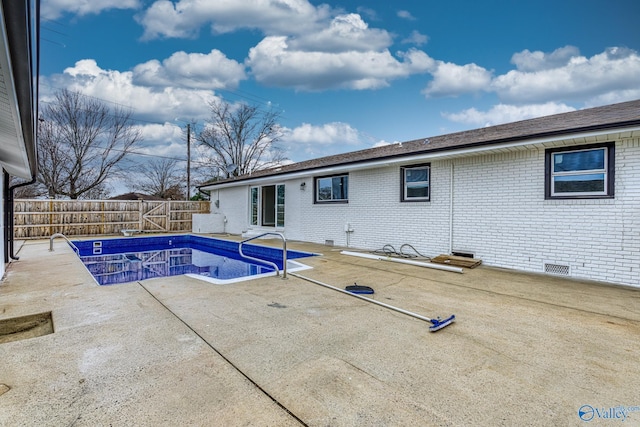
(243, 139)
(162, 178)
(81, 141)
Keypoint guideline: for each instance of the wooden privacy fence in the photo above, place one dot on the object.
(37, 219)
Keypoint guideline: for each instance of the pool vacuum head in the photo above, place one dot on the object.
(440, 323)
(359, 289)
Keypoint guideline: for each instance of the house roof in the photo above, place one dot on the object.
(18, 99)
(599, 119)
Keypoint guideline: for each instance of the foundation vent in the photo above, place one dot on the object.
(328, 242)
(557, 269)
(463, 254)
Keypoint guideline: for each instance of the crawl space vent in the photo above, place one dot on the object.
(557, 269)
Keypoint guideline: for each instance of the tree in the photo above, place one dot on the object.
(31, 191)
(243, 139)
(81, 142)
(162, 178)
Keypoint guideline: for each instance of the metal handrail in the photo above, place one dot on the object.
(75, 248)
(284, 253)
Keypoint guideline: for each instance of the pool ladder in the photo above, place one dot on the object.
(273, 264)
(75, 248)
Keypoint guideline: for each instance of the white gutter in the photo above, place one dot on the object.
(404, 159)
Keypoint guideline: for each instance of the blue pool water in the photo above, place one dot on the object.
(112, 261)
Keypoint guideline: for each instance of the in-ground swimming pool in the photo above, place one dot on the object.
(112, 261)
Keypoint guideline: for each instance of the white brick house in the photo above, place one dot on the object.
(557, 194)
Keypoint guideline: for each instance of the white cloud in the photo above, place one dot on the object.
(185, 17)
(503, 113)
(344, 33)
(369, 13)
(543, 79)
(528, 61)
(616, 70)
(416, 38)
(311, 141)
(405, 14)
(613, 97)
(191, 70)
(306, 47)
(165, 103)
(451, 79)
(274, 63)
(53, 9)
(171, 133)
(327, 134)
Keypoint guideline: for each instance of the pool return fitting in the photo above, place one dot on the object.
(436, 324)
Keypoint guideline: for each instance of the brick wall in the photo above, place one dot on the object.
(499, 214)
(234, 204)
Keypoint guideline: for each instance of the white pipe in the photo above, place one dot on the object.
(451, 210)
(405, 261)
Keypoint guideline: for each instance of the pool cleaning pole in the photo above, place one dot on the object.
(437, 323)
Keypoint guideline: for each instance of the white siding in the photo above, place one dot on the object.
(499, 214)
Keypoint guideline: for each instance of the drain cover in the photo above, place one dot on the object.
(20, 328)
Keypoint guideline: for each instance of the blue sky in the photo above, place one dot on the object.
(344, 75)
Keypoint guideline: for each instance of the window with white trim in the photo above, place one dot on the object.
(332, 189)
(415, 183)
(580, 172)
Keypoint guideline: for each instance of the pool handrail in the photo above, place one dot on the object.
(284, 253)
(53, 236)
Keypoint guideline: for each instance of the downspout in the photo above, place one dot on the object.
(451, 209)
(9, 217)
(5, 202)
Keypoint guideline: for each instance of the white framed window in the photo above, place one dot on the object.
(416, 186)
(580, 172)
(254, 200)
(332, 189)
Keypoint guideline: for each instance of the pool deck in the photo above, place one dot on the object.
(525, 350)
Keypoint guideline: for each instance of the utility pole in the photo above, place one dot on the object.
(188, 161)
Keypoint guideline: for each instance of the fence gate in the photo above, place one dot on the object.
(154, 216)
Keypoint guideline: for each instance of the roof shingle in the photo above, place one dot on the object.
(598, 118)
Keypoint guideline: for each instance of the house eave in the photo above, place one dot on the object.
(17, 68)
(545, 141)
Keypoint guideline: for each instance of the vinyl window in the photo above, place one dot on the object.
(580, 172)
(415, 183)
(332, 189)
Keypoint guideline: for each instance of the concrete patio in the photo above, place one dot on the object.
(525, 349)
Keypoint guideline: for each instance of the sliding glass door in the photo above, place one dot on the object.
(267, 205)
